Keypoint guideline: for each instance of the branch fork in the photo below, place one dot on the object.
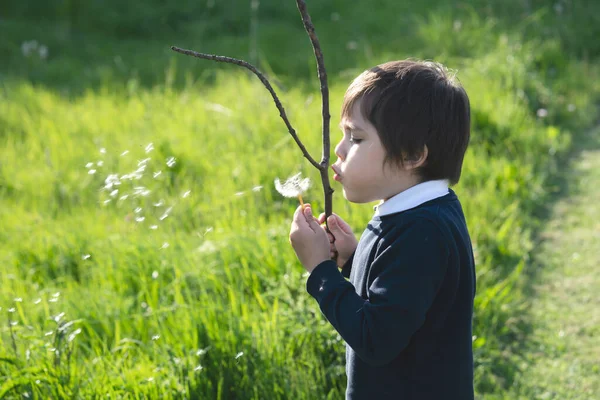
(323, 165)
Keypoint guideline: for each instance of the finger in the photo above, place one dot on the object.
(310, 220)
(299, 218)
(321, 218)
(339, 225)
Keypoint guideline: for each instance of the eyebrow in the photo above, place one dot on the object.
(350, 127)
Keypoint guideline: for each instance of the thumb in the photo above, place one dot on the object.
(312, 221)
(338, 225)
(333, 224)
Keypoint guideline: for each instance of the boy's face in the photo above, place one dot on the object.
(359, 167)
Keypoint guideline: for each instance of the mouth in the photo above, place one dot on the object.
(336, 175)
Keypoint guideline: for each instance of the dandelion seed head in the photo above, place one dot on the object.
(293, 186)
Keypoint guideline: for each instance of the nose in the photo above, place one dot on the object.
(339, 150)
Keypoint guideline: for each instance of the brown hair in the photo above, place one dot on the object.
(413, 104)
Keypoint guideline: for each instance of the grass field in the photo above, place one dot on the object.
(183, 284)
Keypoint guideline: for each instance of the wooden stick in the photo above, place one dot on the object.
(265, 82)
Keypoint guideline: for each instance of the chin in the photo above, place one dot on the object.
(354, 198)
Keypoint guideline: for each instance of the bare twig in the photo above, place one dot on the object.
(265, 82)
(310, 29)
(323, 166)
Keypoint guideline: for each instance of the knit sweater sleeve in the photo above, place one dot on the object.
(405, 275)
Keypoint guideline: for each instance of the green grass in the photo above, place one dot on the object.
(564, 348)
(146, 320)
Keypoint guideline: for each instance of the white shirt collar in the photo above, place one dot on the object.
(412, 197)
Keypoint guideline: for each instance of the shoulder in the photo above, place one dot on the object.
(414, 230)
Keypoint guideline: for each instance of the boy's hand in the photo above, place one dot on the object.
(308, 239)
(343, 240)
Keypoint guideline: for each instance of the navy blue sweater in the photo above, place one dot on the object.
(406, 311)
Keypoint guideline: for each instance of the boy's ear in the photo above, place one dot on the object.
(416, 160)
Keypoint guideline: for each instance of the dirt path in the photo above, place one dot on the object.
(565, 361)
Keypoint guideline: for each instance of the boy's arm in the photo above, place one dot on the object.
(409, 273)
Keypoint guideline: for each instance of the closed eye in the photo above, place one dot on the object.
(355, 140)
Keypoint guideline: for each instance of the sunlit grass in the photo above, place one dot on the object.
(187, 287)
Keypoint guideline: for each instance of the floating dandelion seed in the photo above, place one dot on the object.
(124, 197)
(75, 333)
(198, 368)
(114, 193)
(154, 227)
(100, 163)
(106, 201)
(170, 162)
(156, 174)
(186, 194)
(238, 355)
(38, 301)
(11, 310)
(159, 204)
(18, 299)
(155, 337)
(294, 186)
(103, 150)
(149, 148)
(257, 188)
(124, 153)
(155, 275)
(89, 165)
(165, 245)
(140, 219)
(239, 194)
(49, 333)
(85, 256)
(92, 171)
(138, 210)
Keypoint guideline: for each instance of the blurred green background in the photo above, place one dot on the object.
(182, 284)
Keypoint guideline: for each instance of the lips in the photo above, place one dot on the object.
(336, 175)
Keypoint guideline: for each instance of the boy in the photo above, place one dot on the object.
(406, 311)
